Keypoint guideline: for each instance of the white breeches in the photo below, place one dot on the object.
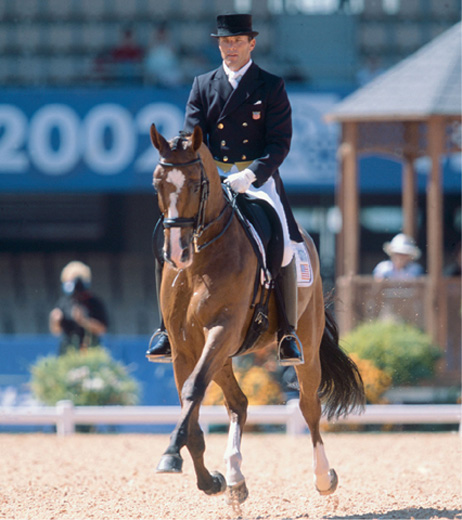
(269, 193)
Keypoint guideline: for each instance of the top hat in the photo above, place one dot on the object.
(402, 244)
(233, 25)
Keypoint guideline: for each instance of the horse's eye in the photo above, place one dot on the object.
(196, 187)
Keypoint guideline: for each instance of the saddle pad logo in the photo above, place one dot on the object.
(304, 269)
(256, 115)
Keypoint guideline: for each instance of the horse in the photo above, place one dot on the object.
(206, 298)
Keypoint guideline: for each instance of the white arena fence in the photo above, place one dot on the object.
(66, 416)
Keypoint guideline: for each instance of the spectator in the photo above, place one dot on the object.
(401, 266)
(79, 317)
(161, 65)
(127, 58)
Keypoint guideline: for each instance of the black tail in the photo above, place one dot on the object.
(341, 389)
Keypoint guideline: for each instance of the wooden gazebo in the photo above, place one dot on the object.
(410, 111)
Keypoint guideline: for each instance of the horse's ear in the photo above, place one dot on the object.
(196, 138)
(158, 140)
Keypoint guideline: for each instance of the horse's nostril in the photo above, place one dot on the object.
(185, 255)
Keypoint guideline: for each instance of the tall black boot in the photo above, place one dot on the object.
(159, 350)
(290, 351)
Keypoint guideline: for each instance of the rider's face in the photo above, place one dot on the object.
(236, 50)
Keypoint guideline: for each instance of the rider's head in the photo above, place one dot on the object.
(236, 39)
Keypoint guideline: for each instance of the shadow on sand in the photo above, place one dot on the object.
(404, 514)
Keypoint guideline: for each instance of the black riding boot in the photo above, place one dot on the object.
(159, 350)
(290, 351)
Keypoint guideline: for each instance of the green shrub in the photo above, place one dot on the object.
(404, 352)
(87, 378)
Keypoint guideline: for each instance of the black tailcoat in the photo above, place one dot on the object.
(251, 123)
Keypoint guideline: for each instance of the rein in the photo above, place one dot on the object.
(198, 222)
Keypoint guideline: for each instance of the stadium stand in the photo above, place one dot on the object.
(35, 33)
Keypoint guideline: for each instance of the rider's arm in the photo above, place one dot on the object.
(278, 135)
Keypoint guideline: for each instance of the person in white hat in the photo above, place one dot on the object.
(403, 252)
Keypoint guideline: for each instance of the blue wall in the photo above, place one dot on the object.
(19, 352)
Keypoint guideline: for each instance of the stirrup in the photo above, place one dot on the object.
(290, 350)
(159, 350)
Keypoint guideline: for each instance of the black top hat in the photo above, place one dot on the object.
(233, 25)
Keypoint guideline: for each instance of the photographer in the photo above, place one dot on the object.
(79, 317)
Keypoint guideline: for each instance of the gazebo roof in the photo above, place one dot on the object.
(426, 83)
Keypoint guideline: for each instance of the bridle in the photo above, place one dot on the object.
(197, 222)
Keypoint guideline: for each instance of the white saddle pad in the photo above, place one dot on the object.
(304, 269)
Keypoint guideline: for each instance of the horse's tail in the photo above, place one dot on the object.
(341, 389)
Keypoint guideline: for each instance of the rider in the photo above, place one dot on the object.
(245, 116)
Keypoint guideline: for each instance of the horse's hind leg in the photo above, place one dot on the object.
(325, 478)
(236, 403)
(309, 378)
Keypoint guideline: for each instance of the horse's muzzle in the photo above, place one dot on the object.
(178, 249)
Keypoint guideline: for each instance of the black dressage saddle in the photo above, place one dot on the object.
(266, 223)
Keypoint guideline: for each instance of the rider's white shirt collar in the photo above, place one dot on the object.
(232, 75)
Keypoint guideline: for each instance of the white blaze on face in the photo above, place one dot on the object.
(233, 457)
(177, 178)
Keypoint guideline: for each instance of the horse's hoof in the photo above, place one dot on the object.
(218, 484)
(333, 484)
(237, 494)
(170, 463)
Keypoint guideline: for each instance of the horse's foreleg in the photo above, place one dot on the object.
(210, 483)
(187, 432)
(236, 403)
(171, 461)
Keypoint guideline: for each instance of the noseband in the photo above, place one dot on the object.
(198, 222)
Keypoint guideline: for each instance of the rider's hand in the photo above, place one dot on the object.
(241, 181)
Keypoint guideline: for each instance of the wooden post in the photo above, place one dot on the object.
(409, 195)
(348, 238)
(436, 134)
(350, 202)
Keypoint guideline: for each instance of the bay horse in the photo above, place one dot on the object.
(206, 295)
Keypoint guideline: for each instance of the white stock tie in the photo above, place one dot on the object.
(234, 79)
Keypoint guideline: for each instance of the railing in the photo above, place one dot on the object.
(360, 299)
(66, 416)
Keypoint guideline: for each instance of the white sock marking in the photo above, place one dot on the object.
(233, 457)
(321, 468)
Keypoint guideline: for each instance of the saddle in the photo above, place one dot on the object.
(264, 219)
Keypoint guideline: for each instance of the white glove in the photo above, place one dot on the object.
(241, 181)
